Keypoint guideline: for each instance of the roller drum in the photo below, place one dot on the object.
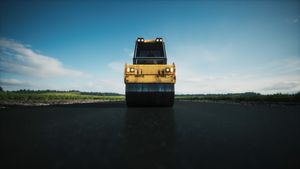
(149, 95)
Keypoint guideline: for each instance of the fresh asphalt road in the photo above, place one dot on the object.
(190, 135)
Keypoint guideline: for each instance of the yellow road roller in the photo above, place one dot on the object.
(149, 81)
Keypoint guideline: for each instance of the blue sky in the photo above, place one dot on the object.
(217, 46)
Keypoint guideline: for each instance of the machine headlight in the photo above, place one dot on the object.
(128, 69)
(172, 69)
(167, 69)
(160, 40)
(142, 40)
(131, 69)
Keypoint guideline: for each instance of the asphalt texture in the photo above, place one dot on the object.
(190, 135)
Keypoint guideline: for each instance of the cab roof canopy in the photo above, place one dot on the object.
(149, 52)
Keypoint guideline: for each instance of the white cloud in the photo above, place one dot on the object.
(13, 82)
(205, 70)
(193, 54)
(286, 65)
(89, 84)
(192, 81)
(282, 86)
(116, 66)
(107, 85)
(296, 20)
(19, 58)
(32, 70)
(128, 52)
(16, 84)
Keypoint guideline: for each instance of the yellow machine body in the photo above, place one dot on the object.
(154, 73)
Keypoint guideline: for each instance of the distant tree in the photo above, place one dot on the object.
(1, 89)
(251, 94)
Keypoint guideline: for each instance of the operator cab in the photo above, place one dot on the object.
(149, 51)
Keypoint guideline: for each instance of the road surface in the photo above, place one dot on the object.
(190, 135)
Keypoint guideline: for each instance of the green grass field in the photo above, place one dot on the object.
(45, 97)
(243, 97)
(26, 96)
